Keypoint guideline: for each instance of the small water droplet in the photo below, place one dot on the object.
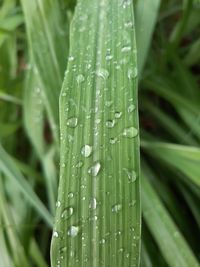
(93, 203)
(55, 234)
(86, 151)
(70, 195)
(71, 58)
(94, 170)
(132, 73)
(72, 122)
(67, 213)
(131, 108)
(130, 132)
(116, 208)
(128, 24)
(102, 73)
(113, 140)
(110, 123)
(102, 241)
(58, 203)
(108, 103)
(132, 176)
(73, 231)
(79, 164)
(109, 57)
(80, 78)
(118, 114)
(126, 49)
(126, 3)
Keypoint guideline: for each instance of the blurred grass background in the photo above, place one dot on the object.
(34, 43)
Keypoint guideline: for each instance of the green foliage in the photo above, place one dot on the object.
(35, 37)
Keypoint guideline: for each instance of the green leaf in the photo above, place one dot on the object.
(167, 235)
(8, 167)
(98, 209)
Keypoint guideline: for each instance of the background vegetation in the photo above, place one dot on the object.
(34, 43)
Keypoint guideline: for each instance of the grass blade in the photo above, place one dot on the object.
(98, 210)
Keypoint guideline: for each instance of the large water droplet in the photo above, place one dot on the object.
(94, 170)
(86, 151)
(130, 132)
(110, 123)
(80, 78)
(58, 203)
(116, 208)
(73, 231)
(67, 213)
(102, 73)
(72, 122)
(55, 234)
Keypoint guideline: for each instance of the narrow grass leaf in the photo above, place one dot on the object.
(167, 235)
(98, 209)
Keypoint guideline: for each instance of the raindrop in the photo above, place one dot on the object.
(70, 195)
(126, 49)
(72, 122)
(132, 176)
(131, 108)
(113, 140)
(130, 132)
(58, 203)
(126, 3)
(93, 203)
(116, 208)
(70, 58)
(67, 213)
(102, 73)
(94, 170)
(108, 103)
(79, 164)
(86, 150)
(118, 114)
(110, 123)
(132, 73)
(80, 78)
(55, 234)
(128, 24)
(109, 57)
(73, 231)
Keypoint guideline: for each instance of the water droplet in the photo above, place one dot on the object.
(108, 103)
(102, 241)
(93, 204)
(128, 24)
(73, 231)
(118, 114)
(102, 73)
(80, 78)
(86, 151)
(72, 122)
(130, 132)
(94, 170)
(70, 58)
(126, 49)
(132, 176)
(67, 213)
(110, 123)
(58, 203)
(131, 108)
(109, 57)
(55, 234)
(132, 73)
(79, 164)
(70, 195)
(116, 208)
(126, 3)
(113, 140)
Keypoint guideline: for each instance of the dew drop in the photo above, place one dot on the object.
(58, 203)
(116, 208)
(79, 164)
(118, 114)
(80, 78)
(130, 132)
(131, 108)
(132, 176)
(126, 49)
(67, 213)
(94, 170)
(55, 234)
(108, 103)
(102, 73)
(70, 195)
(132, 73)
(86, 151)
(110, 123)
(93, 204)
(113, 140)
(128, 24)
(72, 122)
(73, 231)
(109, 57)
(70, 58)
